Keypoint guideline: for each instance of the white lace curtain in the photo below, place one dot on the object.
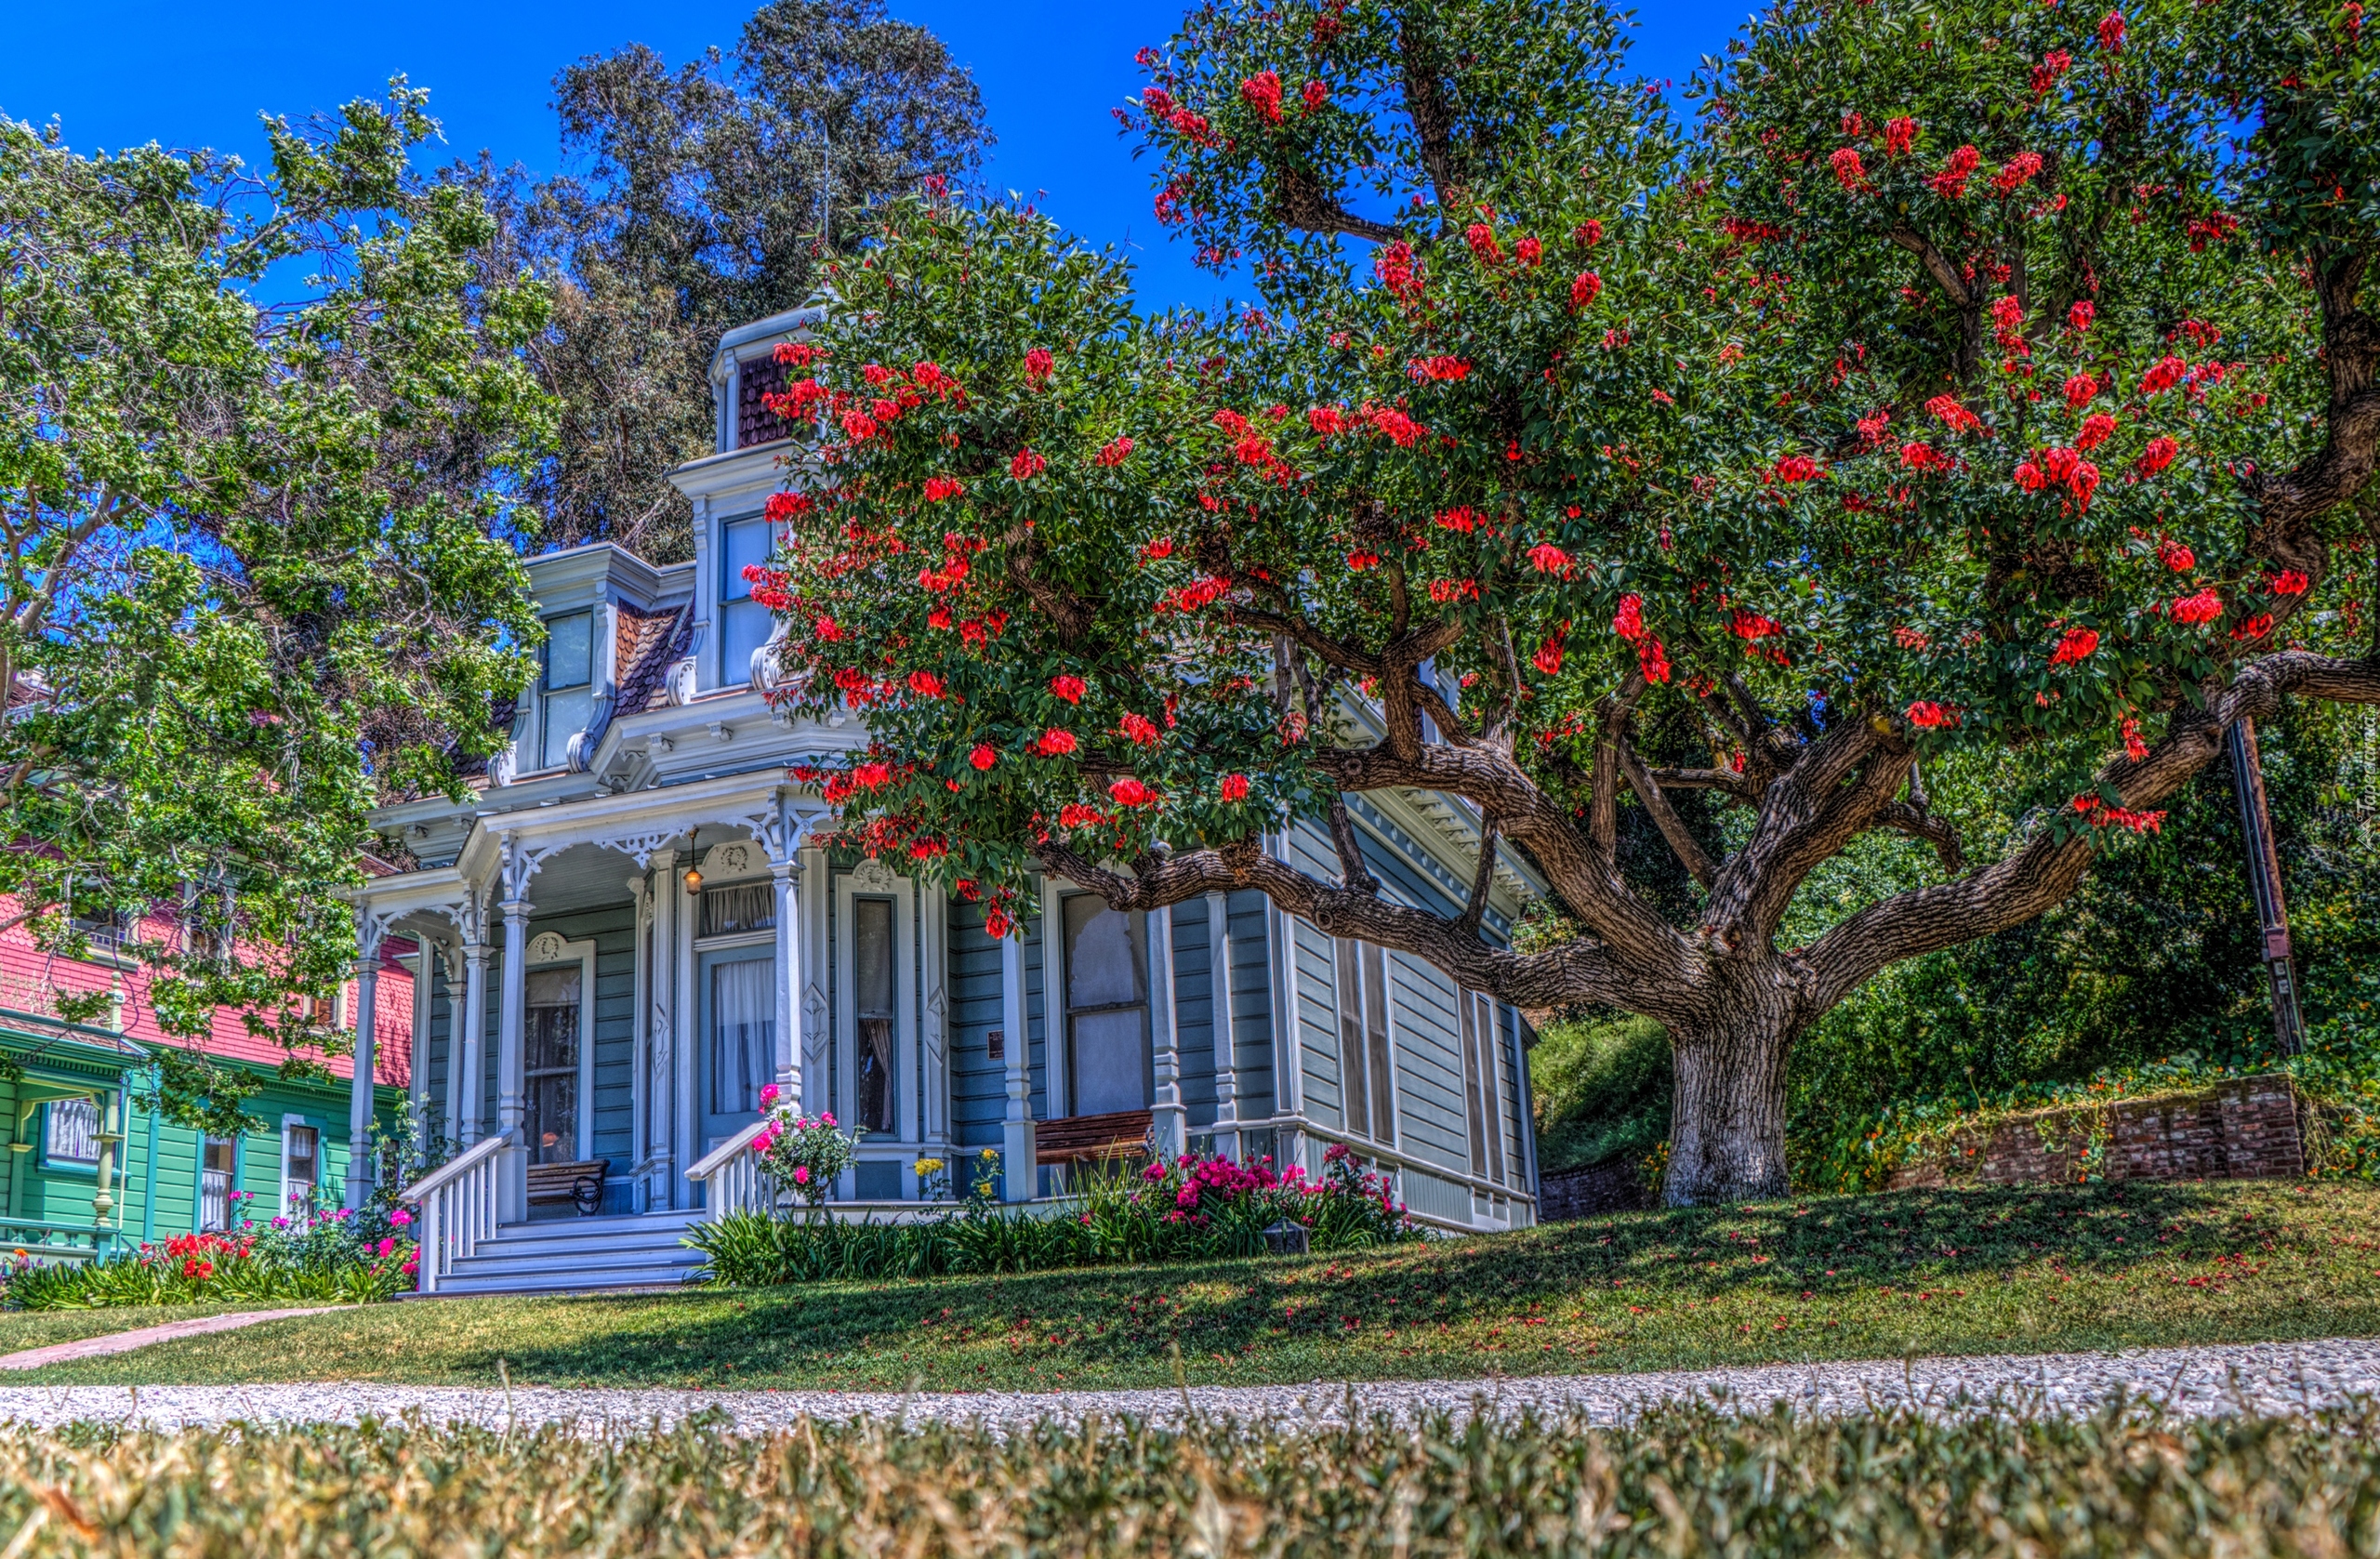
(743, 1036)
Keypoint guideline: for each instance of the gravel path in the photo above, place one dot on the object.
(2266, 1378)
(140, 1336)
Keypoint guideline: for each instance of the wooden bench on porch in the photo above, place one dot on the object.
(1076, 1139)
(580, 1184)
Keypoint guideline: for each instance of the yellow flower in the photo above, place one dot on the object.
(928, 1165)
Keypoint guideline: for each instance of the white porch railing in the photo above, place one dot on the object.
(731, 1177)
(459, 1207)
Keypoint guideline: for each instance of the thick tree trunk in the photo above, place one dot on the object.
(1727, 1106)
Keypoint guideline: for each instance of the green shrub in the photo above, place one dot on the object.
(1601, 1090)
(1191, 1209)
(1686, 1480)
(329, 1257)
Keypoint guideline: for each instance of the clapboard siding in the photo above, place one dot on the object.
(1251, 1003)
(1194, 1010)
(1429, 1063)
(978, 1084)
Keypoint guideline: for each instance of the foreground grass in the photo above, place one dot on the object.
(1679, 1481)
(1927, 1272)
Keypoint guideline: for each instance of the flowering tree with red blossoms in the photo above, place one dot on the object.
(1955, 386)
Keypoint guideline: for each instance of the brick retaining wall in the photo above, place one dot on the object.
(2242, 1129)
(1615, 1186)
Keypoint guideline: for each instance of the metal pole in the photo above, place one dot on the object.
(2264, 877)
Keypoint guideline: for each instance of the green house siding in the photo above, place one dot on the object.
(155, 1181)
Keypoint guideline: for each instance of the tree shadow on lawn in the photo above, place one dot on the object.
(2034, 1269)
(1956, 1271)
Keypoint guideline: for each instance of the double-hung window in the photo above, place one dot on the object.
(70, 1134)
(743, 624)
(301, 1167)
(570, 684)
(1366, 1071)
(1483, 1087)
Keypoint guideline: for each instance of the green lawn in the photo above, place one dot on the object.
(22, 1329)
(1958, 1272)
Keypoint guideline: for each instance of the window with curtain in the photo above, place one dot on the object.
(1368, 1088)
(1107, 1007)
(742, 906)
(742, 1033)
(301, 1167)
(569, 689)
(71, 1131)
(218, 1161)
(1483, 1088)
(743, 624)
(549, 1063)
(872, 986)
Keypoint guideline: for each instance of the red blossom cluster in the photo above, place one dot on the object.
(2102, 816)
(1952, 182)
(1797, 468)
(2157, 454)
(1441, 368)
(2016, 173)
(2054, 64)
(1583, 289)
(1900, 135)
(1952, 415)
(1263, 93)
(1928, 716)
(1847, 171)
(2079, 645)
(2203, 607)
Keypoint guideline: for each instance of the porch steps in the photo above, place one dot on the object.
(578, 1255)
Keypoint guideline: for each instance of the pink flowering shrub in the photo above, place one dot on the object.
(804, 1154)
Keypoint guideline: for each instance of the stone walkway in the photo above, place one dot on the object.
(140, 1336)
(2263, 1378)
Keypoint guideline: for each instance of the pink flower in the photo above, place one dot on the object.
(826, 1118)
(802, 1174)
(400, 1219)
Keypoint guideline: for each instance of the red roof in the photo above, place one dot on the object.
(29, 979)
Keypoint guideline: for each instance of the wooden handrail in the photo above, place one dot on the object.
(455, 1167)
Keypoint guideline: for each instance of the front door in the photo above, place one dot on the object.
(737, 1055)
(550, 1069)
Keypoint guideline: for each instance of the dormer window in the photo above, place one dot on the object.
(743, 624)
(569, 685)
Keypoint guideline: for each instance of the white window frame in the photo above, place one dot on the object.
(322, 1160)
(905, 1027)
(552, 950)
(1375, 1111)
(1477, 1027)
(1058, 1006)
(542, 738)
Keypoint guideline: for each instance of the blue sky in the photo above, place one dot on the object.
(190, 75)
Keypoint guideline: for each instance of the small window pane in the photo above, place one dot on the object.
(1104, 963)
(743, 907)
(570, 651)
(301, 1168)
(1473, 1092)
(566, 716)
(744, 627)
(1376, 1037)
(743, 545)
(872, 1001)
(1353, 1073)
(71, 1131)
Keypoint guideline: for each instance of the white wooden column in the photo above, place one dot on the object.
(1170, 1118)
(686, 1040)
(418, 1069)
(933, 956)
(781, 840)
(1019, 1175)
(663, 1188)
(368, 931)
(511, 1103)
(640, 888)
(468, 1080)
(1226, 1046)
